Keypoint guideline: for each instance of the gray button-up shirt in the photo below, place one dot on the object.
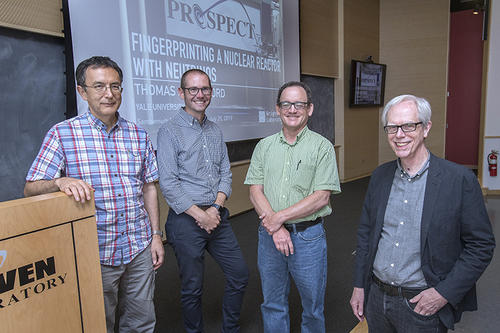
(192, 161)
(397, 261)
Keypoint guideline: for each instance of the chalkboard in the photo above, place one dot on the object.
(323, 118)
(32, 99)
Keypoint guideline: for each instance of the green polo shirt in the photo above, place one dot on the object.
(291, 172)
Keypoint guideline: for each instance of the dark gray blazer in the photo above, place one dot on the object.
(456, 242)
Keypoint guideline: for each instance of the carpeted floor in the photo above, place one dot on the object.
(341, 237)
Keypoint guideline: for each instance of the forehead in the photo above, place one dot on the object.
(196, 79)
(101, 74)
(404, 112)
(294, 93)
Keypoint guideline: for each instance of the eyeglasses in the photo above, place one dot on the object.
(193, 91)
(115, 88)
(297, 105)
(409, 127)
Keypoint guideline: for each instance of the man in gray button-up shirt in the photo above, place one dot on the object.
(195, 179)
(424, 236)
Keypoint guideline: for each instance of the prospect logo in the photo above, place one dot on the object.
(28, 280)
(228, 22)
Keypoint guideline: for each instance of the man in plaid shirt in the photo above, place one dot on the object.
(102, 152)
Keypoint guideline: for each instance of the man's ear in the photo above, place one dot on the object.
(310, 111)
(82, 92)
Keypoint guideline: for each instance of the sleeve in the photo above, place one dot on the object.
(326, 176)
(478, 243)
(168, 169)
(150, 170)
(255, 173)
(225, 171)
(50, 161)
(366, 224)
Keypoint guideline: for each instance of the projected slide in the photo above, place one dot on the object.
(238, 43)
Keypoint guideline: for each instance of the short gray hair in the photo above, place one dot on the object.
(423, 108)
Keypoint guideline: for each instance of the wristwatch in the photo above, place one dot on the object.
(158, 232)
(216, 206)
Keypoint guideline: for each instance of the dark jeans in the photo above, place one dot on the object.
(189, 242)
(391, 314)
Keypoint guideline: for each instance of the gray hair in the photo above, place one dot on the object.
(423, 108)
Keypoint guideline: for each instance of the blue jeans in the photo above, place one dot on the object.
(189, 242)
(391, 314)
(308, 268)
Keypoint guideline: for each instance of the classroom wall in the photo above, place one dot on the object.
(361, 40)
(414, 45)
(411, 37)
(490, 127)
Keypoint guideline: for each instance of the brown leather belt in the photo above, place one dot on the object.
(396, 290)
(301, 226)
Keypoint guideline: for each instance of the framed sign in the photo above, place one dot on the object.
(367, 84)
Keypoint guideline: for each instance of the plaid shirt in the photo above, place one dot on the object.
(116, 165)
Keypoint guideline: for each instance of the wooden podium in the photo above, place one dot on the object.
(50, 275)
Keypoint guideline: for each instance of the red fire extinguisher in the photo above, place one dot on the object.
(492, 163)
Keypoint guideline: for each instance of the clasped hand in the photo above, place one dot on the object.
(210, 219)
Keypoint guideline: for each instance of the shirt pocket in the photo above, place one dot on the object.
(130, 162)
(304, 176)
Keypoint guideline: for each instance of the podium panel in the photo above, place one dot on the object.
(50, 279)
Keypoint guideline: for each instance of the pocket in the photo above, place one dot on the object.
(312, 233)
(304, 177)
(411, 307)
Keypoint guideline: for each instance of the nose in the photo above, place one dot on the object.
(108, 92)
(199, 93)
(400, 133)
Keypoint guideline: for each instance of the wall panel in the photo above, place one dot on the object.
(41, 16)
(414, 45)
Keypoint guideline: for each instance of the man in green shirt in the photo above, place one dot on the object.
(292, 175)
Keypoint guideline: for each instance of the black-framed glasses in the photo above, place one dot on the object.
(285, 105)
(100, 88)
(408, 127)
(193, 91)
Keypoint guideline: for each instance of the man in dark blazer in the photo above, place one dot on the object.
(424, 237)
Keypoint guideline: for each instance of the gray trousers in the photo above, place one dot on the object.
(129, 289)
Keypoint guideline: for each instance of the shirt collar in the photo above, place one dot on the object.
(301, 134)
(419, 173)
(100, 125)
(189, 118)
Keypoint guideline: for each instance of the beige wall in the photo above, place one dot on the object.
(40, 16)
(319, 42)
(414, 45)
(361, 39)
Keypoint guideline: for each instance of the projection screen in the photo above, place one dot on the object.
(247, 47)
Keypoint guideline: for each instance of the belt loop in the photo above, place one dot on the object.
(294, 228)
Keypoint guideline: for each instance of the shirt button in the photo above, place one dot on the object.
(116, 175)
(112, 156)
(392, 265)
(397, 244)
(207, 161)
(121, 215)
(406, 201)
(401, 223)
(286, 179)
(392, 282)
(284, 196)
(120, 195)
